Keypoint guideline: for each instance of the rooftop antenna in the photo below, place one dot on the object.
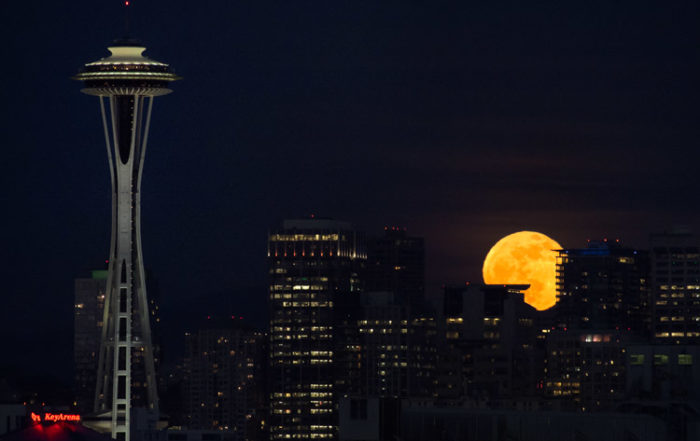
(126, 18)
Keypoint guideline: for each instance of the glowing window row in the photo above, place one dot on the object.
(303, 237)
(296, 296)
(380, 322)
(677, 334)
(678, 319)
(381, 331)
(307, 304)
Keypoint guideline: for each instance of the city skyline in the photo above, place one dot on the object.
(462, 125)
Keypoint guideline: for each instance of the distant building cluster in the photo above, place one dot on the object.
(356, 352)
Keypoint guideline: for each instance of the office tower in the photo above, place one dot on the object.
(603, 305)
(585, 369)
(397, 350)
(125, 83)
(397, 330)
(222, 382)
(314, 297)
(603, 286)
(675, 275)
(396, 263)
(489, 351)
(87, 330)
(657, 372)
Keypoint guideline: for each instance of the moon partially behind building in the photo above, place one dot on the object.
(525, 257)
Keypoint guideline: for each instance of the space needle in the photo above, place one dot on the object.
(126, 82)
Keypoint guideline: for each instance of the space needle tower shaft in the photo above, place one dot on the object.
(126, 83)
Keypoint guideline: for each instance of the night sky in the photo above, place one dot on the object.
(461, 122)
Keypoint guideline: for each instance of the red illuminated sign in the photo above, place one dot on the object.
(54, 417)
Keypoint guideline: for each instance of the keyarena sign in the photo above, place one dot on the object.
(54, 417)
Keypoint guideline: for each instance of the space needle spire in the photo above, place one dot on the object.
(126, 83)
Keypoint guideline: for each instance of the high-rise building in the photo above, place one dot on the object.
(675, 275)
(397, 350)
(87, 327)
(396, 263)
(658, 372)
(126, 83)
(488, 351)
(397, 330)
(603, 304)
(585, 369)
(603, 286)
(314, 299)
(222, 378)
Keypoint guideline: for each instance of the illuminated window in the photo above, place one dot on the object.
(678, 319)
(660, 359)
(685, 359)
(636, 359)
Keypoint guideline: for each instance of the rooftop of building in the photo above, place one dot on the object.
(602, 247)
(314, 223)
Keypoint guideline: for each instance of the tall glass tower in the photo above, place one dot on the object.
(126, 83)
(314, 298)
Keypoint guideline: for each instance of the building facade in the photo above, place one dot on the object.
(223, 378)
(585, 370)
(314, 300)
(675, 275)
(397, 349)
(396, 263)
(603, 286)
(488, 352)
(87, 331)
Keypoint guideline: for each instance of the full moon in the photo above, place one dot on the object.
(525, 257)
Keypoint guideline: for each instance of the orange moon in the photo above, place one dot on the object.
(525, 257)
